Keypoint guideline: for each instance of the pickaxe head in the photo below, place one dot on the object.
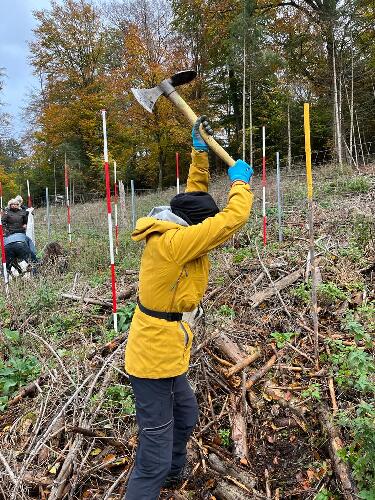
(148, 97)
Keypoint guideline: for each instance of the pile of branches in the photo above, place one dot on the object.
(59, 440)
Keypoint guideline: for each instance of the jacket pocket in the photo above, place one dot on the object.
(188, 340)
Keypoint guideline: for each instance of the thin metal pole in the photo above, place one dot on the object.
(314, 309)
(48, 215)
(279, 201)
(133, 202)
(244, 101)
(360, 139)
(250, 122)
(116, 205)
(178, 172)
(264, 185)
(122, 202)
(66, 173)
(1, 196)
(289, 141)
(110, 228)
(54, 176)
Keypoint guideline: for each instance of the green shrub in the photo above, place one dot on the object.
(352, 368)
(358, 185)
(330, 293)
(18, 367)
(225, 437)
(118, 397)
(302, 292)
(356, 328)
(44, 298)
(361, 452)
(242, 253)
(227, 311)
(313, 391)
(125, 315)
(352, 252)
(362, 229)
(282, 337)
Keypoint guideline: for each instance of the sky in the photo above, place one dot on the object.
(16, 24)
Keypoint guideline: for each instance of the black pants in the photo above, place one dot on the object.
(166, 411)
(18, 251)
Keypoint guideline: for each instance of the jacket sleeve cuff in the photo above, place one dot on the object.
(241, 183)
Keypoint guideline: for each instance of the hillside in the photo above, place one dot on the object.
(272, 425)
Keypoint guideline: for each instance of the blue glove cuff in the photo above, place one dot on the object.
(240, 171)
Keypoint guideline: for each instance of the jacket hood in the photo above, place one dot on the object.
(159, 220)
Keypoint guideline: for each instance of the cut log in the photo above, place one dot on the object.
(228, 469)
(239, 429)
(279, 285)
(227, 491)
(231, 350)
(349, 489)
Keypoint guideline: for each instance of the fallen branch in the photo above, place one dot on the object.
(348, 488)
(86, 300)
(255, 377)
(242, 364)
(277, 286)
(98, 435)
(29, 390)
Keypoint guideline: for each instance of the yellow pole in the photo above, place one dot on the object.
(306, 119)
(314, 301)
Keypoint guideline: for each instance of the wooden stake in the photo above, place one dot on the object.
(314, 308)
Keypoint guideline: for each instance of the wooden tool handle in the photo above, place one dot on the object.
(192, 117)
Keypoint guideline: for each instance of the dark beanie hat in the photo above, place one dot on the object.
(194, 206)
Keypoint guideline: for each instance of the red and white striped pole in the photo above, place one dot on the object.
(29, 202)
(116, 205)
(3, 257)
(67, 201)
(110, 228)
(1, 196)
(264, 186)
(178, 172)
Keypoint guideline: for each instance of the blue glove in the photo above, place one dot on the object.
(198, 142)
(240, 171)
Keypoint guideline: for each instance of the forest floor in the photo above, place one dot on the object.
(276, 421)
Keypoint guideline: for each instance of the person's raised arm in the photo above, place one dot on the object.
(194, 241)
(198, 173)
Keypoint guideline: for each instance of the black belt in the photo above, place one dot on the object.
(168, 316)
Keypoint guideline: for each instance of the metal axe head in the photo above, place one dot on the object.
(148, 97)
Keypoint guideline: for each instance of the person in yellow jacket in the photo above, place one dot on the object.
(173, 279)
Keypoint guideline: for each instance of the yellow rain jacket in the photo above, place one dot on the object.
(174, 277)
